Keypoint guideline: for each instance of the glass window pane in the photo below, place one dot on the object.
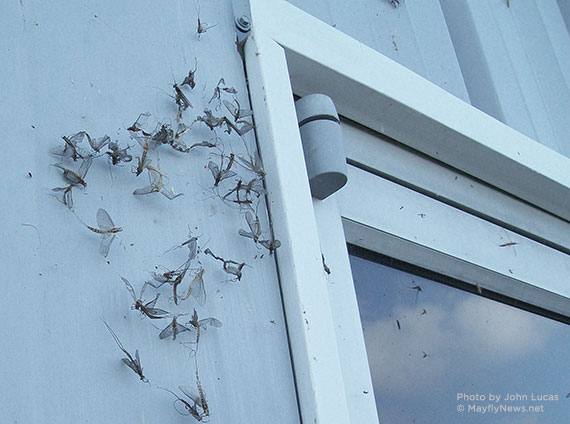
(440, 354)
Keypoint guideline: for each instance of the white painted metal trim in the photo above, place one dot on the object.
(386, 97)
(409, 226)
(316, 361)
(395, 162)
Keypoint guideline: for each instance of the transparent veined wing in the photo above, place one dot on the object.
(129, 288)
(104, 221)
(190, 394)
(197, 289)
(106, 244)
(214, 169)
(212, 322)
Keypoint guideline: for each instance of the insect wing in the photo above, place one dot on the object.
(98, 144)
(104, 221)
(227, 174)
(170, 194)
(197, 289)
(129, 288)
(245, 127)
(131, 364)
(245, 233)
(270, 245)
(253, 223)
(214, 170)
(155, 313)
(233, 110)
(213, 322)
(170, 331)
(190, 394)
(193, 248)
(106, 244)
(151, 188)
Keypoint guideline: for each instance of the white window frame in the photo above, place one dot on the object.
(289, 50)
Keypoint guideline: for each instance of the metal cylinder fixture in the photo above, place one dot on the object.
(322, 144)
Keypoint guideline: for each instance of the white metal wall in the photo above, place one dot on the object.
(95, 66)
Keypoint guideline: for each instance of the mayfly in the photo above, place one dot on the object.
(70, 149)
(191, 408)
(180, 98)
(253, 164)
(254, 186)
(418, 289)
(67, 197)
(254, 227)
(236, 111)
(76, 178)
(156, 185)
(138, 126)
(229, 266)
(148, 308)
(173, 277)
(219, 172)
(273, 244)
(202, 324)
(117, 154)
(203, 27)
(173, 329)
(219, 88)
(99, 143)
(106, 228)
(132, 363)
(189, 80)
(142, 162)
(238, 115)
(196, 288)
(203, 402)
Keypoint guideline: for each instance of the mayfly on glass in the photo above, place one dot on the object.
(106, 228)
(132, 363)
(148, 308)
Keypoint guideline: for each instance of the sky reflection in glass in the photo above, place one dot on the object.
(427, 348)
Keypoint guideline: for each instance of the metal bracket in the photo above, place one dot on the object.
(242, 16)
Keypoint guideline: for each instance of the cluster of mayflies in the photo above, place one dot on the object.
(236, 179)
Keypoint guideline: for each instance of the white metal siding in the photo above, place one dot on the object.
(73, 66)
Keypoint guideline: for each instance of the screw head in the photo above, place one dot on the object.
(243, 23)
